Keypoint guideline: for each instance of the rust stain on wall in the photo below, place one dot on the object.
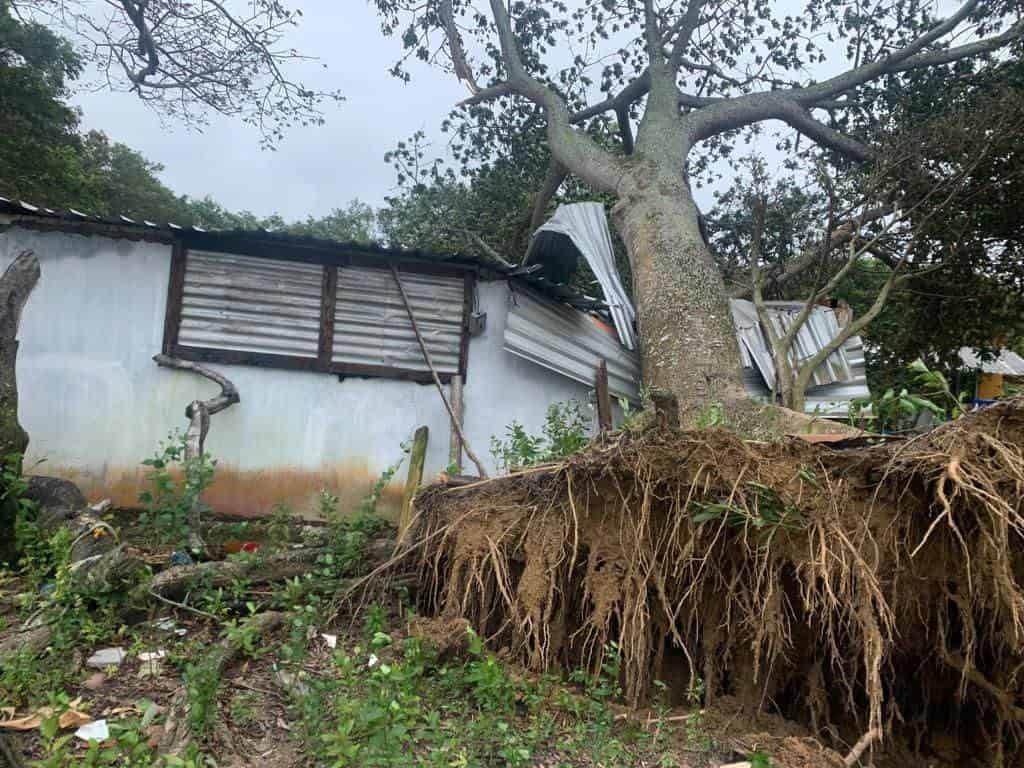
(248, 493)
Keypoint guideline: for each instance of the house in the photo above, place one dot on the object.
(313, 333)
(317, 339)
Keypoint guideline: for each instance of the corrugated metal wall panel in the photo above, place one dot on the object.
(250, 305)
(569, 342)
(371, 325)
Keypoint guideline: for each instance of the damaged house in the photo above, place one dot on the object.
(317, 338)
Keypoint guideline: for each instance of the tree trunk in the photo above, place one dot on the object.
(16, 284)
(687, 339)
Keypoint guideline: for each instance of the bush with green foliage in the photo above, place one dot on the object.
(894, 411)
(176, 486)
(565, 431)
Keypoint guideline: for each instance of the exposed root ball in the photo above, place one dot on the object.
(851, 589)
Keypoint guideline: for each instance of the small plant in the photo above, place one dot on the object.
(759, 759)
(279, 526)
(712, 416)
(564, 433)
(201, 680)
(898, 411)
(244, 708)
(767, 515)
(177, 484)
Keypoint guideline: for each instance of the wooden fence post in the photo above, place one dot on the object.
(455, 442)
(417, 456)
(604, 400)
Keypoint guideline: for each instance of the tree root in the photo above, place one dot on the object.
(178, 731)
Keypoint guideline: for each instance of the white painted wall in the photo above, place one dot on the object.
(95, 404)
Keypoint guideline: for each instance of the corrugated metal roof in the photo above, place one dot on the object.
(839, 380)
(238, 240)
(371, 325)
(250, 305)
(1009, 363)
(569, 342)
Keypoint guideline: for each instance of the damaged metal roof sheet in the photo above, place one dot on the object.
(1008, 363)
(570, 343)
(240, 240)
(840, 379)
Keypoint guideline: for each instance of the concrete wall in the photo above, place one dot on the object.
(95, 404)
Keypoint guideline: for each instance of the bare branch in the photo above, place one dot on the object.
(686, 27)
(625, 128)
(578, 153)
(552, 181)
(459, 62)
(737, 112)
(801, 119)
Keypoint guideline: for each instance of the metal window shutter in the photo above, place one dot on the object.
(371, 325)
(250, 304)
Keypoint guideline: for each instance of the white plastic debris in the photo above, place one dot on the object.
(165, 624)
(152, 655)
(106, 657)
(331, 640)
(373, 661)
(100, 506)
(97, 730)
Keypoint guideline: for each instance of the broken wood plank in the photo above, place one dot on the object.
(455, 442)
(604, 399)
(417, 457)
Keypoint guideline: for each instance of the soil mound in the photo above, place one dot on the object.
(876, 587)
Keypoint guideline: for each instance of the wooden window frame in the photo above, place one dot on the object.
(330, 262)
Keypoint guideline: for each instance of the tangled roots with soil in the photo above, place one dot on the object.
(850, 589)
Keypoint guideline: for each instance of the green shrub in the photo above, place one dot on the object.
(565, 432)
(177, 483)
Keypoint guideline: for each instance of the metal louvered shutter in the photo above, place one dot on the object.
(372, 329)
(262, 306)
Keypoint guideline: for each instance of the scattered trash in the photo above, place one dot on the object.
(69, 718)
(331, 640)
(291, 682)
(181, 557)
(97, 730)
(106, 657)
(372, 662)
(95, 681)
(152, 655)
(168, 625)
(151, 668)
(100, 506)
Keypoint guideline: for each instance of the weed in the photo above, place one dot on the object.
(245, 707)
(279, 526)
(564, 433)
(759, 759)
(712, 416)
(177, 483)
(201, 680)
(767, 515)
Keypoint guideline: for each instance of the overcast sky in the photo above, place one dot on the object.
(313, 169)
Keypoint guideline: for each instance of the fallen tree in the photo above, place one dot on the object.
(857, 590)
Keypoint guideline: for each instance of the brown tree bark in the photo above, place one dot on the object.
(16, 285)
(687, 342)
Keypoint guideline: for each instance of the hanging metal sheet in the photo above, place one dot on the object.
(372, 328)
(251, 305)
(569, 342)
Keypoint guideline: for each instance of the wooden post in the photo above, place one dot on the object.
(417, 456)
(433, 371)
(604, 400)
(455, 442)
